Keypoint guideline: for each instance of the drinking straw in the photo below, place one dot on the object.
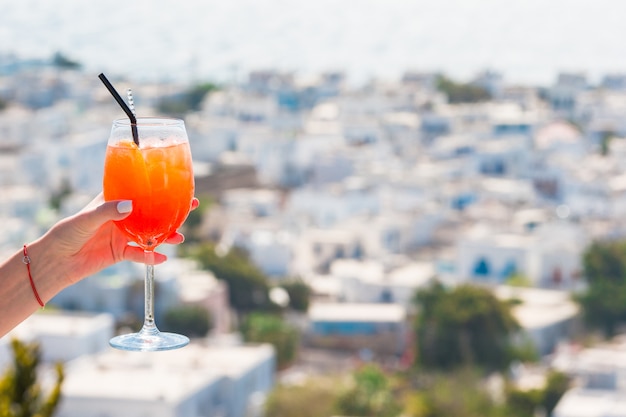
(123, 105)
(131, 102)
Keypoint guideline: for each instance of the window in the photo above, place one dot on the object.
(386, 296)
(482, 268)
(509, 270)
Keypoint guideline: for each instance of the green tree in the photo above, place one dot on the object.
(299, 294)
(458, 393)
(604, 301)
(248, 287)
(59, 195)
(189, 100)
(556, 385)
(20, 393)
(195, 95)
(518, 280)
(524, 403)
(61, 61)
(190, 320)
(315, 398)
(529, 403)
(370, 395)
(605, 142)
(466, 325)
(271, 328)
(460, 92)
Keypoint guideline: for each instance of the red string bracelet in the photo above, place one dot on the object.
(26, 261)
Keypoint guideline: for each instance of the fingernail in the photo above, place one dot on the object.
(124, 206)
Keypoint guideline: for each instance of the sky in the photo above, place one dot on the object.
(528, 41)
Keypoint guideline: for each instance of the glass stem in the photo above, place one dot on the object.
(149, 325)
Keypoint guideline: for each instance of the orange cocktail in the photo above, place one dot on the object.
(157, 176)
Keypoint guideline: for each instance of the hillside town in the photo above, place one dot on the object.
(365, 193)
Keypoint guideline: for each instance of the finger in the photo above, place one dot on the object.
(99, 199)
(175, 239)
(92, 218)
(136, 254)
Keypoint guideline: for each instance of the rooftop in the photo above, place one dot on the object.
(591, 403)
(60, 323)
(539, 307)
(413, 274)
(163, 376)
(357, 312)
(196, 285)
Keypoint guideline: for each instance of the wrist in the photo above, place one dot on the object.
(45, 271)
(26, 261)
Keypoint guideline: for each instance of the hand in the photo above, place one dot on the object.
(89, 241)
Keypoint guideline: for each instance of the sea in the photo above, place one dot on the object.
(527, 42)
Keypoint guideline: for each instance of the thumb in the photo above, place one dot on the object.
(110, 210)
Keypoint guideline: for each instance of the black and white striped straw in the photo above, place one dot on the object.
(131, 103)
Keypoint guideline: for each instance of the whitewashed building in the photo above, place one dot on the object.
(381, 328)
(22, 202)
(316, 249)
(503, 157)
(195, 381)
(203, 289)
(252, 220)
(370, 282)
(564, 94)
(600, 110)
(547, 317)
(63, 335)
(111, 290)
(24, 216)
(119, 290)
(600, 375)
(580, 402)
(329, 206)
(549, 255)
(17, 127)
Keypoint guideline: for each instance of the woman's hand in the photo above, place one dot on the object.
(89, 241)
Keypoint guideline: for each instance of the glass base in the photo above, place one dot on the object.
(149, 341)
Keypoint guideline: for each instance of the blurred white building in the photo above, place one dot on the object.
(24, 216)
(119, 290)
(549, 254)
(22, 201)
(217, 380)
(195, 381)
(580, 402)
(203, 289)
(63, 336)
(547, 317)
(600, 380)
(370, 282)
(381, 328)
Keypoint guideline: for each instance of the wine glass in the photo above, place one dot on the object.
(155, 172)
